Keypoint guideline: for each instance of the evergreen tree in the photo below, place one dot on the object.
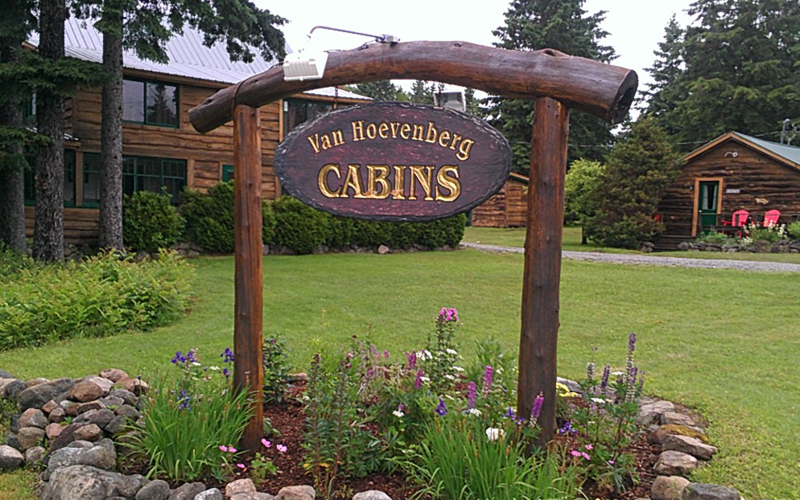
(15, 24)
(421, 92)
(145, 26)
(639, 169)
(565, 26)
(667, 71)
(381, 90)
(741, 71)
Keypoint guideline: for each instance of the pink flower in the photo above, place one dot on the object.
(231, 449)
(241, 466)
(586, 456)
(589, 447)
(282, 448)
(266, 443)
(223, 448)
(610, 462)
(575, 453)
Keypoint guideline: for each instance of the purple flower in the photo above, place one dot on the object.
(487, 380)
(631, 343)
(226, 372)
(510, 414)
(385, 354)
(227, 356)
(418, 380)
(604, 380)
(412, 359)
(538, 401)
(567, 429)
(472, 394)
(178, 358)
(441, 410)
(448, 314)
(190, 356)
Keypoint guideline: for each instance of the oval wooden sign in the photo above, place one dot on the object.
(394, 162)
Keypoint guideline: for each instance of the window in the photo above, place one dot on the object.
(150, 103)
(227, 173)
(296, 112)
(91, 180)
(69, 180)
(150, 174)
(29, 108)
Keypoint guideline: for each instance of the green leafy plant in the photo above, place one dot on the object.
(489, 352)
(713, 237)
(260, 467)
(150, 222)
(100, 296)
(192, 421)
(793, 230)
(771, 234)
(438, 359)
(276, 368)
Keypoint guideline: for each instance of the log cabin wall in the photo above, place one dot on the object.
(751, 180)
(205, 154)
(506, 208)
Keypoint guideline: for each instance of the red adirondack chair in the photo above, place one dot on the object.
(738, 219)
(771, 218)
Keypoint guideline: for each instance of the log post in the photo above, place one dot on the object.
(542, 274)
(247, 337)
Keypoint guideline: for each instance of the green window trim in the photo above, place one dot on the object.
(91, 180)
(146, 119)
(227, 173)
(143, 173)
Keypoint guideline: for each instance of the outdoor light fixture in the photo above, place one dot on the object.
(311, 65)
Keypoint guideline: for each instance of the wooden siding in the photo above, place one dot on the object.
(762, 184)
(506, 208)
(205, 154)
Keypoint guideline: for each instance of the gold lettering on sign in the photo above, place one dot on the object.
(443, 138)
(430, 136)
(399, 182)
(358, 130)
(353, 180)
(383, 130)
(405, 131)
(322, 180)
(419, 131)
(372, 131)
(450, 183)
(425, 179)
(324, 143)
(378, 176)
(464, 149)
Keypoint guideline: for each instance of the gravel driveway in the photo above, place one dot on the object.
(655, 260)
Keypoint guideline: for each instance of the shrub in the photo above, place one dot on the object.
(150, 222)
(300, 227)
(12, 262)
(582, 182)
(191, 421)
(713, 238)
(210, 218)
(793, 230)
(97, 297)
(276, 368)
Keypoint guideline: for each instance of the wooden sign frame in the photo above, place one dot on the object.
(557, 82)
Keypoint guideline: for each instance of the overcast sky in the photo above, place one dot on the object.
(635, 26)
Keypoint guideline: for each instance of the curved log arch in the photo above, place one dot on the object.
(599, 89)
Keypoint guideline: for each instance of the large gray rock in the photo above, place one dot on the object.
(75, 409)
(58, 415)
(187, 491)
(675, 463)
(671, 417)
(667, 488)
(128, 411)
(701, 491)
(130, 485)
(101, 418)
(239, 486)
(34, 455)
(81, 482)
(212, 494)
(10, 458)
(116, 425)
(154, 490)
(689, 445)
(372, 495)
(651, 413)
(33, 417)
(126, 396)
(100, 456)
(103, 382)
(29, 437)
(90, 432)
(13, 388)
(38, 395)
(296, 493)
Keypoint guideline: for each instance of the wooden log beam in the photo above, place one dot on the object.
(247, 336)
(600, 89)
(542, 272)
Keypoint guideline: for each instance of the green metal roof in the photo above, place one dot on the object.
(790, 153)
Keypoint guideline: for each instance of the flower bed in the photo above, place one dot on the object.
(359, 420)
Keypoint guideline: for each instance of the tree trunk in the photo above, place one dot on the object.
(111, 139)
(48, 235)
(12, 192)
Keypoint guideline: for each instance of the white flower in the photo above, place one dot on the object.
(214, 367)
(423, 354)
(616, 374)
(494, 433)
(425, 379)
(451, 398)
(599, 401)
(398, 414)
(458, 369)
(195, 363)
(449, 377)
(452, 351)
(474, 412)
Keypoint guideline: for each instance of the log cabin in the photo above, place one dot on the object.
(160, 147)
(506, 208)
(733, 172)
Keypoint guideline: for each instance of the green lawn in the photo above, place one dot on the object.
(515, 237)
(724, 342)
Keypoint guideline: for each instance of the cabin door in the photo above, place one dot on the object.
(708, 203)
